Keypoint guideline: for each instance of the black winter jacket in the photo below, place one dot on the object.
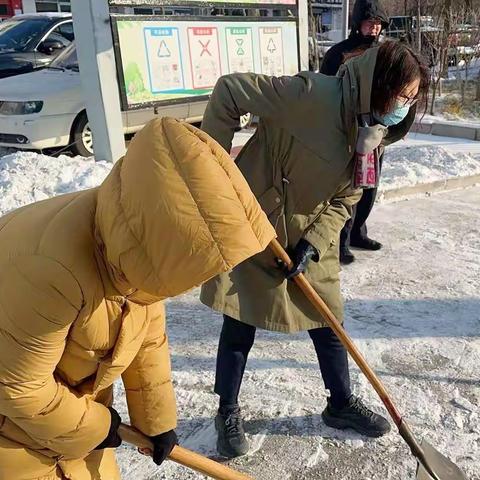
(362, 10)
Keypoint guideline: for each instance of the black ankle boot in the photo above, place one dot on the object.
(357, 416)
(346, 256)
(365, 243)
(231, 441)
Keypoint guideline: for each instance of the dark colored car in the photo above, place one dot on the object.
(28, 42)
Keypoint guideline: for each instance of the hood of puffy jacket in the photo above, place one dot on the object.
(176, 211)
(365, 10)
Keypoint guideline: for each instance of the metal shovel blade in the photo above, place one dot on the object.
(440, 465)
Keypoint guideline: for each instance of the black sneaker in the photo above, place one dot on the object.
(357, 416)
(365, 243)
(231, 440)
(346, 256)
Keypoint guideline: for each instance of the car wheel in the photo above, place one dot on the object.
(82, 137)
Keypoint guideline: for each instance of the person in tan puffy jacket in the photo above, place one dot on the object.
(82, 277)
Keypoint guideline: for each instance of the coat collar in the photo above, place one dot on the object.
(357, 79)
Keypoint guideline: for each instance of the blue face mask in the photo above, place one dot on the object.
(395, 116)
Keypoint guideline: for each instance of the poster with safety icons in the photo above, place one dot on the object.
(164, 59)
(271, 50)
(204, 56)
(240, 49)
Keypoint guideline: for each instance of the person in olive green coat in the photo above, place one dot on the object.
(317, 143)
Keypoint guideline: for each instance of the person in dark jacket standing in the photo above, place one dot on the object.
(368, 20)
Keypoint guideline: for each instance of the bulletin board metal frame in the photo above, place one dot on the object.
(116, 18)
(200, 4)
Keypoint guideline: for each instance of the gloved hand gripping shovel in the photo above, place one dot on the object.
(431, 464)
(183, 456)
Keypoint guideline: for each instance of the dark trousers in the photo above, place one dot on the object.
(237, 339)
(356, 227)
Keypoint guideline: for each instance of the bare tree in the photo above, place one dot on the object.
(446, 32)
(466, 47)
(477, 96)
(454, 41)
(476, 47)
(313, 31)
(419, 26)
(471, 51)
(438, 46)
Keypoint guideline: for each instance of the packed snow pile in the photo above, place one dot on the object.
(27, 177)
(411, 165)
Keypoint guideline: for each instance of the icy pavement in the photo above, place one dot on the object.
(414, 310)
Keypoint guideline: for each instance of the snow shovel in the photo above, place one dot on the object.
(184, 457)
(431, 464)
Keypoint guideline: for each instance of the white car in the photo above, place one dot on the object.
(45, 109)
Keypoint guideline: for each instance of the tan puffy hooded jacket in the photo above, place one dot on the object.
(81, 279)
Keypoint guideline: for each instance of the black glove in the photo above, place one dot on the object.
(303, 253)
(162, 445)
(113, 439)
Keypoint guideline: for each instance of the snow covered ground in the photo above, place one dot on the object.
(27, 177)
(427, 158)
(413, 308)
(461, 71)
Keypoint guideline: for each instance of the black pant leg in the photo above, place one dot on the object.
(236, 340)
(364, 208)
(333, 360)
(347, 230)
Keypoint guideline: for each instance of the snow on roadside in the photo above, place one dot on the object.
(27, 177)
(412, 165)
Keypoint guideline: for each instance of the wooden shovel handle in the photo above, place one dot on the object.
(335, 325)
(183, 456)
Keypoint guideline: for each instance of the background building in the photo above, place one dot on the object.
(9, 8)
(328, 17)
(32, 6)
